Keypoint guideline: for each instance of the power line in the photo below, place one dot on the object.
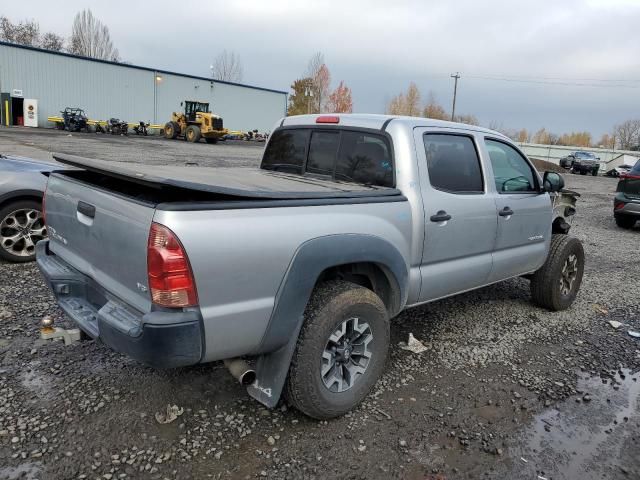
(562, 81)
(553, 82)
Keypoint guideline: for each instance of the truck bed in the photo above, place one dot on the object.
(239, 182)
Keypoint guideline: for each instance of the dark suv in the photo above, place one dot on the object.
(626, 205)
(581, 162)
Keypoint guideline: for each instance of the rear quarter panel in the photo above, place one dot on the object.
(239, 259)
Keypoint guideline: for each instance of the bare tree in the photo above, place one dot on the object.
(52, 41)
(91, 38)
(27, 32)
(227, 67)
(627, 134)
(320, 76)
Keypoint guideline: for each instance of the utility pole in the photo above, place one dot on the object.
(455, 91)
(308, 92)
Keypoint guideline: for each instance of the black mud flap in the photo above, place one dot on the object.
(271, 372)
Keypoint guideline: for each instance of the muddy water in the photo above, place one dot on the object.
(585, 440)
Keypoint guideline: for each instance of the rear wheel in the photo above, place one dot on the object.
(192, 134)
(594, 173)
(171, 130)
(555, 285)
(625, 222)
(341, 350)
(21, 227)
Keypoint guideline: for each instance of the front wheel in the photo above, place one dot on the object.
(594, 173)
(21, 227)
(555, 285)
(341, 350)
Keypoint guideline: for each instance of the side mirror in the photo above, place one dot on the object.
(552, 182)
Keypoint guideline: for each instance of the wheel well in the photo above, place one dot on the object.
(370, 275)
(19, 198)
(560, 225)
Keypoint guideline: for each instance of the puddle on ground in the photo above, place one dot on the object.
(584, 440)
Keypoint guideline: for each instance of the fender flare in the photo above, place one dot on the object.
(18, 194)
(310, 260)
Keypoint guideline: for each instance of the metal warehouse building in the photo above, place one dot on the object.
(47, 82)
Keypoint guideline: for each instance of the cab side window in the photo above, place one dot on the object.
(453, 163)
(512, 172)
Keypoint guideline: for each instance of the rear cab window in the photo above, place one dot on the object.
(338, 154)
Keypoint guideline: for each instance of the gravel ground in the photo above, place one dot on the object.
(505, 389)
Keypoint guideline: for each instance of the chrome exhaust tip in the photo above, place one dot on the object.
(241, 371)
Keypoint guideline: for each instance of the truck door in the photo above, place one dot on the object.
(460, 213)
(524, 213)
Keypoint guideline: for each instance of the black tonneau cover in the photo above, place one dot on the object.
(236, 181)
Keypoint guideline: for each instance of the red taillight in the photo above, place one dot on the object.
(170, 278)
(618, 205)
(328, 119)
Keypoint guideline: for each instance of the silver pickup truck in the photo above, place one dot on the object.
(291, 272)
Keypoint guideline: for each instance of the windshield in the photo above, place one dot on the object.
(636, 168)
(585, 155)
(342, 155)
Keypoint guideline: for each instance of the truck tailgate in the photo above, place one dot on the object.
(101, 234)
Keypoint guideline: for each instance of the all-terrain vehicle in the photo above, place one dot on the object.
(73, 119)
(195, 123)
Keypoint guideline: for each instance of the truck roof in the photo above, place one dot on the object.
(377, 121)
(234, 181)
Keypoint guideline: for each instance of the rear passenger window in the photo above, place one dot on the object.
(365, 158)
(512, 172)
(453, 163)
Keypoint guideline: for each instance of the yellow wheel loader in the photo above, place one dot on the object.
(195, 123)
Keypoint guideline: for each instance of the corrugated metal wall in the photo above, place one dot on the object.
(105, 90)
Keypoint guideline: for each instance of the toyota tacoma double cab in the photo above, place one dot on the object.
(291, 272)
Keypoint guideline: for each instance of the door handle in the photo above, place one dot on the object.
(440, 216)
(86, 209)
(505, 212)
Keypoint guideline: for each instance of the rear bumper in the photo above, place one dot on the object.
(161, 339)
(631, 206)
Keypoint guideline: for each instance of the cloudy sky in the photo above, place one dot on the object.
(565, 65)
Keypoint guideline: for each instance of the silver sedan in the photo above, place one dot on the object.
(22, 184)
